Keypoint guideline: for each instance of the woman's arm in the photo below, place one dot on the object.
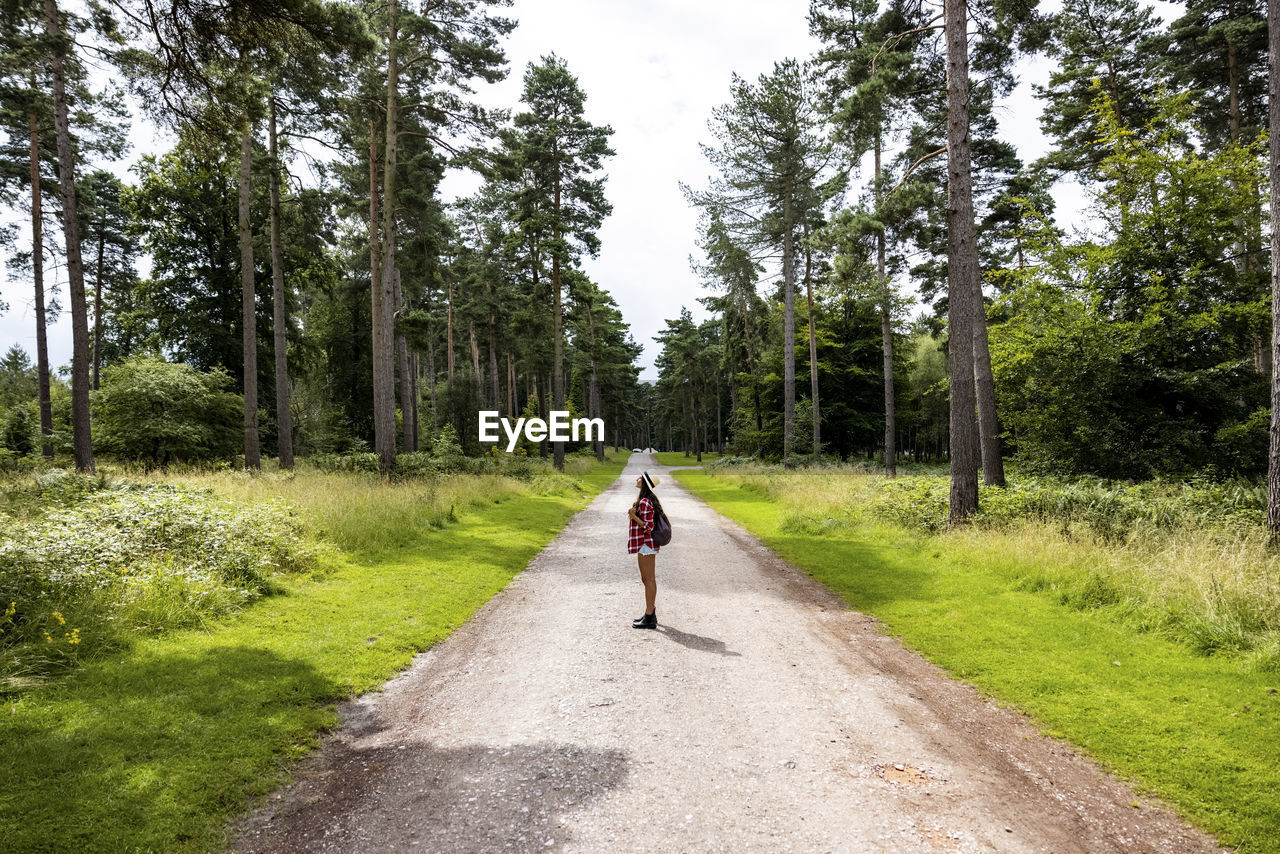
(646, 514)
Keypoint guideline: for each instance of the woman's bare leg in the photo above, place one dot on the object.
(650, 581)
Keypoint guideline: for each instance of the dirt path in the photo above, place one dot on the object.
(761, 716)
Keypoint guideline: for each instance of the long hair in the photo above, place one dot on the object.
(646, 492)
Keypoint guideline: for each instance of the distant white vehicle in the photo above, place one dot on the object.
(636, 451)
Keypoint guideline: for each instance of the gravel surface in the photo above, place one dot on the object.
(762, 715)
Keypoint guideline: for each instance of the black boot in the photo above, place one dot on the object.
(648, 621)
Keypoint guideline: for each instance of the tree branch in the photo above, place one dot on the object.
(912, 168)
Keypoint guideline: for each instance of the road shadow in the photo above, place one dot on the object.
(698, 642)
(151, 753)
(419, 797)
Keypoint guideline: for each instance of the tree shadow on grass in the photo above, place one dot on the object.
(415, 796)
(153, 752)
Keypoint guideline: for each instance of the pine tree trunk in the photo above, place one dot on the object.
(962, 270)
(495, 389)
(384, 395)
(813, 351)
(886, 340)
(494, 385)
(449, 331)
(1273, 456)
(511, 385)
(413, 400)
(279, 317)
(733, 408)
(410, 427)
(558, 325)
(593, 389)
(988, 423)
(376, 297)
(693, 414)
(248, 305)
(75, 264)
(97, 302)
(478, 378)
(431, 379)
(788, 333)
(37, 271)
(544, 405)
(596, 412)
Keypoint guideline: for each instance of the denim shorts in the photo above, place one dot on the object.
(647, 549)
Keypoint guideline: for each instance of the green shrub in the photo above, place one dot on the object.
(416, 464)
(354, 462)
(157, 411)
(1241, 449)
(11, 463)
(100, 564)
(19, 429)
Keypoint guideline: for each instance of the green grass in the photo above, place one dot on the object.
(1199, 731)
(158, 747)
(677, 458)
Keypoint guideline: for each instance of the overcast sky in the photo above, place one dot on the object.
(653, 71)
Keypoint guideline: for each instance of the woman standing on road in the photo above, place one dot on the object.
(640, 543)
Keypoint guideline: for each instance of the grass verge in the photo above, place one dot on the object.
(1199, 731)
(157, 747)
(678, 458)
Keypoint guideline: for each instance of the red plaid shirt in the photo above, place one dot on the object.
(641, 535)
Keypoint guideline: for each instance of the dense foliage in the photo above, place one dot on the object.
(86, 564)
(160, 412)
(1135, 344)
(346, 301)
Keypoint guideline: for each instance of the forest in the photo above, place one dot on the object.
(310, 293)
(862, 211)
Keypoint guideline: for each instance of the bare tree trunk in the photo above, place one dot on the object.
(377, 300)
(813, 350)
(558, 324)
(594, 394)
(511, 385)
(886, 340)
(384, 395)
(962, 269)
(593, 388)
(410, 427)
(475, 358)
(788, 333)
(1273, 455)
(544, 405)
(719, 423)
(495, 390)
(37, 270)
(248, 304)
(449, 331)
(279, 317)
(97, 303)
(988, 423)
(696, 435)
(431, 378)
(413, 399)
(75, 265)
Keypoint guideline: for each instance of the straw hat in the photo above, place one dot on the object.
(651, 480)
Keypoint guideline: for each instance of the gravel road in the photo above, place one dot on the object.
(762, 715)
